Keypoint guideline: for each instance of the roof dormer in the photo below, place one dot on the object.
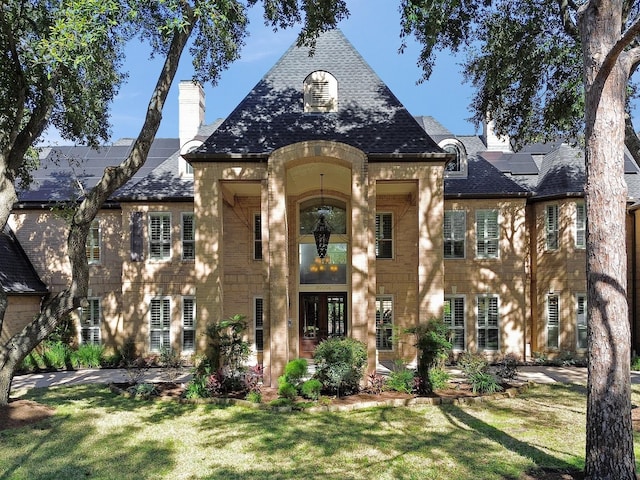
(458, 166)
(320, 92)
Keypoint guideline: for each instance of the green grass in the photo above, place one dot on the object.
(98, 435)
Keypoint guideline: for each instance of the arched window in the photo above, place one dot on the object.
(320, 93)
(458, 166)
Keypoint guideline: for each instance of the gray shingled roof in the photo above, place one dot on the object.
(369, 116)
(17, 275)
(63, 169)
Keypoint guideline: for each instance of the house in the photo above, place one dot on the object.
(320, 206)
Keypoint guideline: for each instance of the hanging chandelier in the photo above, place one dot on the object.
(322, 230)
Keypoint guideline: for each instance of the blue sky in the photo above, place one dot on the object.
(373, 28)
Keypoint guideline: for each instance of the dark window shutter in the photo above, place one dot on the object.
(137, 247)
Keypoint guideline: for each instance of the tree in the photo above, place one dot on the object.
(66, 60)
(563, 69)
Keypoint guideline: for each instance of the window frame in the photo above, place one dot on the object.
(483, 235)
(165, 323)
(580, 232)
(461, 158)
(455, 326)
(551, 228)
(188, 324)
(450, 253)
(188, 242)
(486, 326)
(325, 83)
(258, 324)
(550, 323)
(581, 323)
(384, 325)
(257, 237)
(163, 242)
(379, 233)
(94, 324)
(94, 243)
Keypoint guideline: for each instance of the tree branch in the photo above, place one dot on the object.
(570, 26)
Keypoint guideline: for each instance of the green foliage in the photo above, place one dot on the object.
(401, 379)
(88, 356)
(171, 363)
(472, 363)
(56, 355)
(296, 370)
(438, 378)
(433, 341)
(484, 382)
(286, 389)
(254, 397)
(143, 390)
(340, 364)
(311, 389)
(635, 363)
(227, 349)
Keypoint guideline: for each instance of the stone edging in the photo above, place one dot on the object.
(397, 402)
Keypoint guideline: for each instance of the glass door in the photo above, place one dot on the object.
(322, 315)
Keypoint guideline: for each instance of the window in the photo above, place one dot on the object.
(160, 323)
(90, 322)
(455, 226)
(551, 227)
(320, 93)
(487, 233)
(454, 318)
(188, 324)
(553, 321)
(258, 315)
(458, 166)
(488, 322)
(384, 323)
(581, 320)
(137, 240)
(160, 236)
(188, 237)
(581, 225)
(384, 235)
(93, 243)
(257, 237)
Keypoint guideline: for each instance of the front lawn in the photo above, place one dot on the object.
(98, 435)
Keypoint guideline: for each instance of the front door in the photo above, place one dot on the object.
(322, 315)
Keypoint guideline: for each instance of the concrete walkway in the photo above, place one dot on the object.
(21, 383)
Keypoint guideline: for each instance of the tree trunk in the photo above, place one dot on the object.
(609, 442)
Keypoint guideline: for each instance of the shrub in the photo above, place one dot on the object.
(401, 379)
(635, 363)
(254, 397)
(143, 390)
(438, 378)
(56, 355)
(484, 382)
(507, 366)
(472, 363)
(88, 356)
(311, 389)
(127, 351)
(136, 369)
(286, 389)
(340, 364)
(227, 350)
(253, 378)
(171, 363)
(296, 370)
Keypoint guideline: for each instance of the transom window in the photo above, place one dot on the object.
(320, 93)
(160, 236)
(487, 233)
(455, 226)
(384, 323)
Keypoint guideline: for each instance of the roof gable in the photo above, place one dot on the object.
(17, 275)
(368, 115)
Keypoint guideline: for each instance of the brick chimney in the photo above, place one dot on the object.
(191, 108)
